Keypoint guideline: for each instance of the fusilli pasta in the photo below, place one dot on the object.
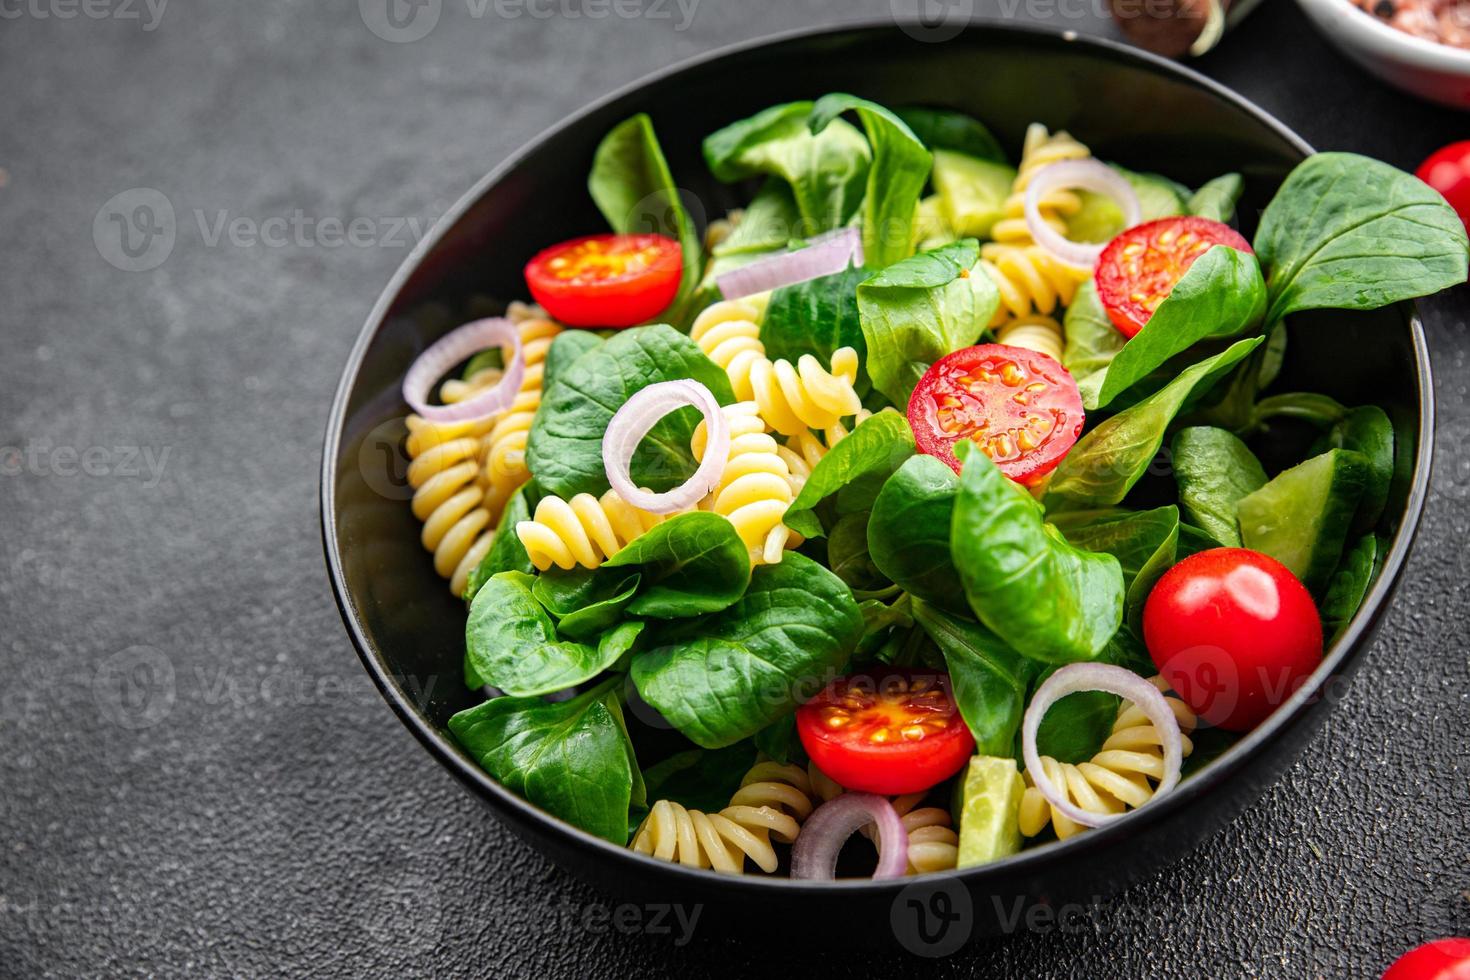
(1116, 778)
(1033, 332)
(464, 472)
(771, 804)
(933, 843)
(584, 531)
(756, 486)
(791, 398)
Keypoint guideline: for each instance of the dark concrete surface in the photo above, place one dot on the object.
(196, 778)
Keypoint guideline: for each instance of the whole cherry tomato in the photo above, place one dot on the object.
(1234, 633)
(1448, 171)
(1443, 959)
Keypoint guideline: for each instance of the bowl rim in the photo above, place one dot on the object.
(1358, 27)
(1187, 793)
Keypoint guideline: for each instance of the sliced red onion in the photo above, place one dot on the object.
(1087, 175)
(632, 423)
(1115, 680)
(814, 855)
(459, 345)
(824, 255)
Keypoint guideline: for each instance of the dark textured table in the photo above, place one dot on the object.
(196, 778)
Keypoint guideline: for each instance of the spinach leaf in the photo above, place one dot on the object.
(1221, 295)
(880, 623)
(1109, 460)
(847, 553)
(565, 446)
(1092, 340)
(584, 602)
(896, 178)
(565, 348)
(1349, 585)
(945, 129)
(1145, 543)
(1214, 470)
(779, 741)
(1217, 199)
(632, 186)
(571, 758)
(506, 553)
(691, 564)
(989, 678)
(700, 779)
(1076, 727)
(921, 309)
(725, 676)
(512, 644)
(1048, 599)
(854, 469)
(1348, 232)
(1367, 430)
(815, 317)
(767, 224)
(908, 532)
(825, 170)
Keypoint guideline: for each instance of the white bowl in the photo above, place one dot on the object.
(1434, 71)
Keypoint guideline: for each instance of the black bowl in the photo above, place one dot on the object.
(1141, 111)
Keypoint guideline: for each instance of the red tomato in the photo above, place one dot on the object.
(893, 731)
(1138, 269)
(1020, 407)
(606, 280)
(1443, 959)
(1448, 171)
(1234, 633)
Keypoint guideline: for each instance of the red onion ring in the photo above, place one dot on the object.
(632, 423)
(459, 345)
(1115, 680)
(814, 855)
(1087, 175)
(824, 255)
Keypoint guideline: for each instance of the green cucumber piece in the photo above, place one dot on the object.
(989, 810)
(1367, 430)
(1302, 518)
(972, 191)
(1100, 218)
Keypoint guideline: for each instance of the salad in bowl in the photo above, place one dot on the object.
(932, 497)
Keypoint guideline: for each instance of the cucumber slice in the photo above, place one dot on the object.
(1302, 517)
(972, 191)
(1101, 219)
(990, 810)
(1367, 430)
(931, 225)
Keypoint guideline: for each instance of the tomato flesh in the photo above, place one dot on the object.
(1019, 406)
(1448, 171)
(606, 280)
(893, 731)
(1139, 269)
(1234, 633)
(1443, 959)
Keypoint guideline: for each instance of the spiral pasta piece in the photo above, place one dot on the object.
(1031, 279)
(756, 486)
(1116, 779)
(772, 803)
(584, 531)
(459, 491)
(791, 398)
(1042, 334)
(804, 450)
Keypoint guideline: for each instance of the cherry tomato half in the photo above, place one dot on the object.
(606, 280)
(1443, 959)
(892, 731)
(1138, 270)
(1020, 407)
(1448, 171)
(1234, 633)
